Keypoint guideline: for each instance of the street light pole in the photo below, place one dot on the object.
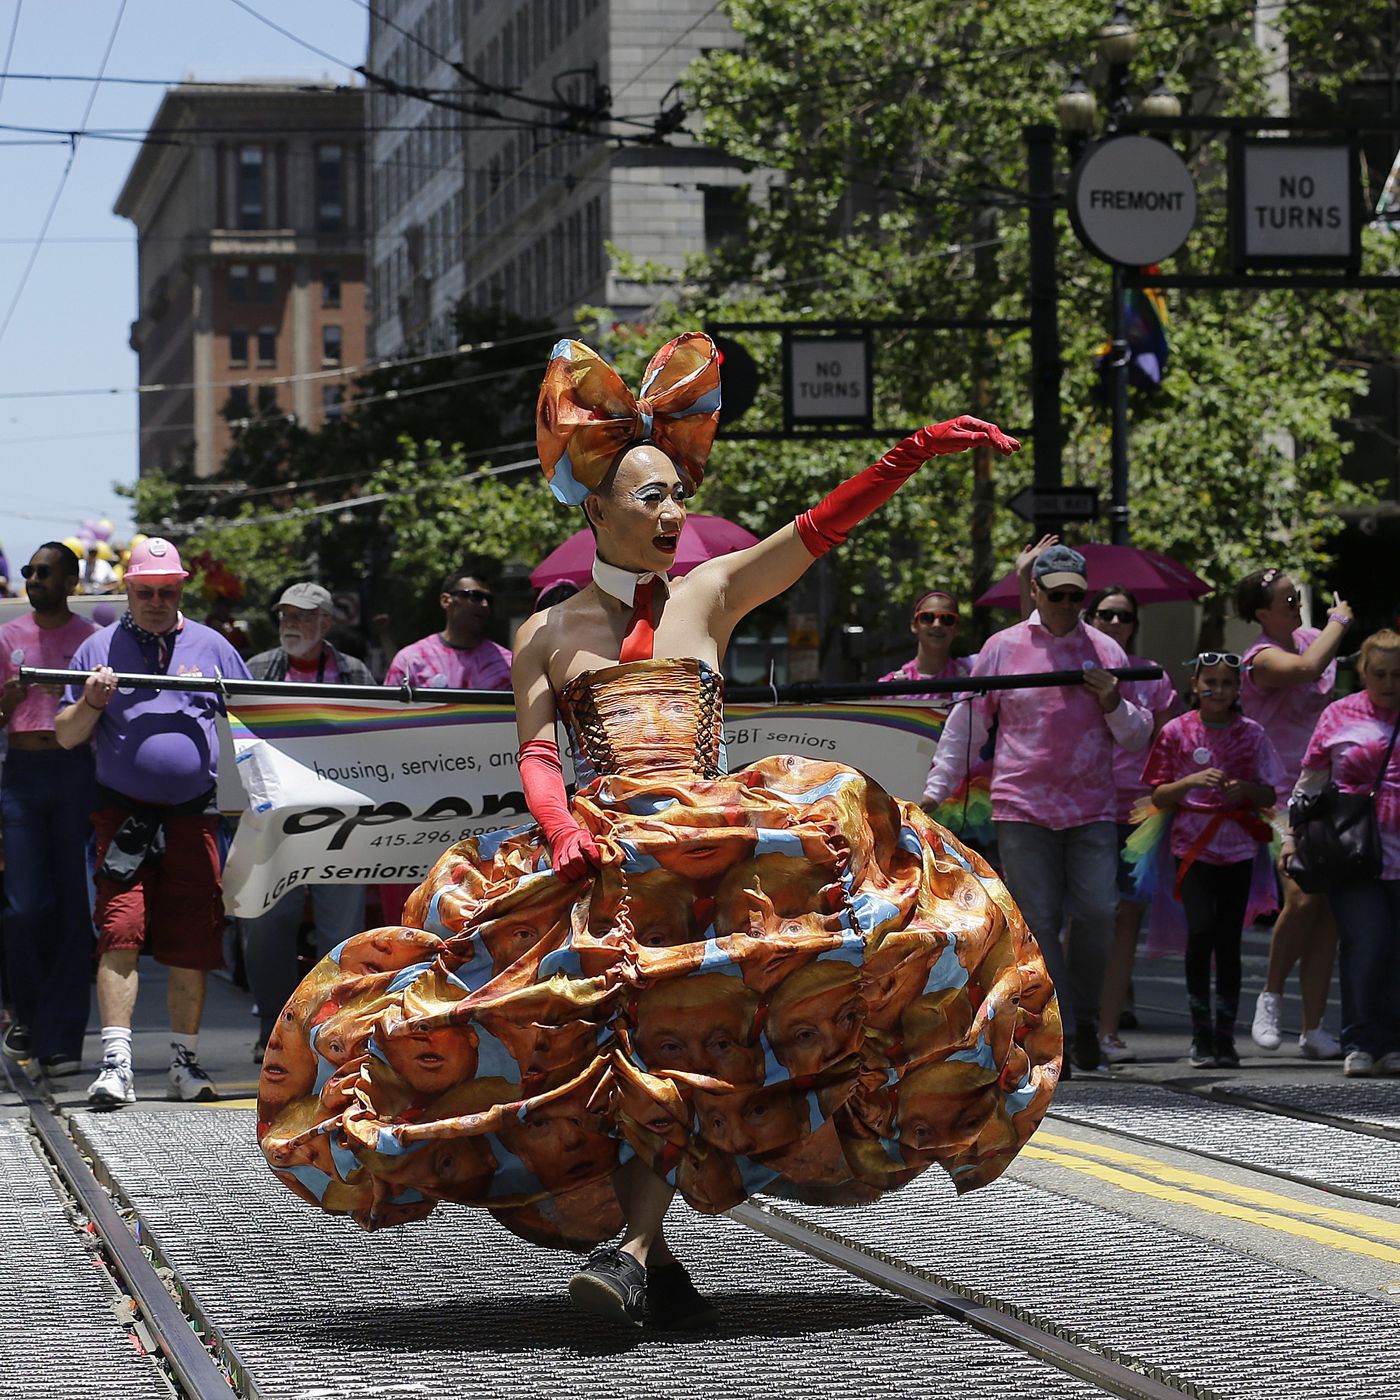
(1044, 299)
(1118, 513)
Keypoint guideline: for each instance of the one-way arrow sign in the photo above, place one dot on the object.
(1056, 503)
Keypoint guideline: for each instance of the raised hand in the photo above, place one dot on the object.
(961, 433)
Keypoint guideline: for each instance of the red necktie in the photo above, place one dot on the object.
(641, 630)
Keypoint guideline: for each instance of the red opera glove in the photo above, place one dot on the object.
(542, 777)
(827, 524)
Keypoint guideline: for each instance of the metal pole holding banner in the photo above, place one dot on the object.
(798, 693)
(1118, 365)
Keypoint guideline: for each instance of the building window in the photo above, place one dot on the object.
(250, 187)
(330, 286)
(237, 406)
(238, 282)
(238, 349)
(330, 188)
(267, 399)
(267, 346)
(330, 345)
(333, 400)
(725, 217)
(267, 283)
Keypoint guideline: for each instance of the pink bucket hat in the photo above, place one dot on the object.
(154, 558)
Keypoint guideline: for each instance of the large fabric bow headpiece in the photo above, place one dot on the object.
(586, 415)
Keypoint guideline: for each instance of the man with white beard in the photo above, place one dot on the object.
(304, 617)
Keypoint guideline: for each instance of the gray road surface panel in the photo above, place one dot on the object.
(1313, 1151)
(455, 1306)
(1371, 1101)
(59, 1337)
(1235, 1324)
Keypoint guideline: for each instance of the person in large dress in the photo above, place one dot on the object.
(683, 979)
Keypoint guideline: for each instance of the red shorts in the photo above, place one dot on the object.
(176, 904)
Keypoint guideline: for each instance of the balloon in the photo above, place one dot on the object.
(75, 544)
(103, 529)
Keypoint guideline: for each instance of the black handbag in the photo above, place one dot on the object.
(1336, 836)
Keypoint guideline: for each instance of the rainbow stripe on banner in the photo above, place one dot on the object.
(302, 719)
(924, 721)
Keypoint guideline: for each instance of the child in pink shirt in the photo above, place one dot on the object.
(1217, 769)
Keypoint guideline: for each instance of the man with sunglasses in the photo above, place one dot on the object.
(461, 656)
(45, 799)
(1054, 799)
(155, 818)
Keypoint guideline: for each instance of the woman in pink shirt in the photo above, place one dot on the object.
(1352, 739)
(1217, 769)
(1114, 611)
(1289, 672)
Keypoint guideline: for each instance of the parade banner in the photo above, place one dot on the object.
(367, 792)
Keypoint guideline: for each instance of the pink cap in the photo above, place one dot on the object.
(154, 558)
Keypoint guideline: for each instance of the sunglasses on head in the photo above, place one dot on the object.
(1216, 658)
(927, 619)
(145, 595)
(1114, 615)
(1064, 595)
(39, 571)
(472, 595)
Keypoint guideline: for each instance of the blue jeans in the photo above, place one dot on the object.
(1368, 941)
(1067, 874)
(270, 941)
(45, 801)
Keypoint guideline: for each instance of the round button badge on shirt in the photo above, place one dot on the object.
(17, 657)
(438, 682)
(1201, 755)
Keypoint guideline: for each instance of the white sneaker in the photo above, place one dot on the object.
(1358, 1065)
(115, 1083)
(1114, 1051)
(188, 1081)
(1389, 1063)
(1268, 1011)
(1318, 1044)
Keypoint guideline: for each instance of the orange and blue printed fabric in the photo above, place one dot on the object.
(781, 980)
(586, 416)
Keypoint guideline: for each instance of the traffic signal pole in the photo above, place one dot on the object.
(1046, 365)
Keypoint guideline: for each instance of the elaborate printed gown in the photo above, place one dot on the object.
(782, 980)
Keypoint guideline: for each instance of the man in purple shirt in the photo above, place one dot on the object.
(461, 656)
(158, 876)
(1054, 798)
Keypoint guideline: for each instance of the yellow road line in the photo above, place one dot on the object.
(1252, 1195)
(1269, 1220)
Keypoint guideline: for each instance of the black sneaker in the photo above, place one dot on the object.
(16, 1042)
(1226, 1056)
(57, 1066)
(1203, 1052)
(1088, 1053)
(611, 1285)
(672, 1300)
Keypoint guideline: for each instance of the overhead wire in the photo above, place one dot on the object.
(62, 181)
(10, 46)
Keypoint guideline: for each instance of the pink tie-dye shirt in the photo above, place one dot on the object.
(431, 662)
(1287, 712)
(957, 666)
(1053, 764)
(1349, 742)
(1241, 750)
(1159, 698)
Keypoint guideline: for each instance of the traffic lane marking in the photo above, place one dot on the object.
(1249, 1215)
(1253, 1195)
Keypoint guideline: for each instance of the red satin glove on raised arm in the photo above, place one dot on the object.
(829, 522)
(542, 777)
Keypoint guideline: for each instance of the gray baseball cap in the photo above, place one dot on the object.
(1060, 567)
(308, 596)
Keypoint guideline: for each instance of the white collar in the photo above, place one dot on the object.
(622, 583)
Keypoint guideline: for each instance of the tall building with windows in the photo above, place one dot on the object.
(507, 204)
(249, 206)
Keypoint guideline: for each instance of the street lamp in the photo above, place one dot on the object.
(1077, 111)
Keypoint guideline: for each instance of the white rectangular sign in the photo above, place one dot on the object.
(828, 379)
(1296, 202)
(368, 792)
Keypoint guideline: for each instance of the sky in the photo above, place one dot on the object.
(61, 454)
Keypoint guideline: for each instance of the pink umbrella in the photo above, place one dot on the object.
(1152, 577)
(704, 537)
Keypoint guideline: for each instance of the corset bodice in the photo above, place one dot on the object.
(646, 718)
